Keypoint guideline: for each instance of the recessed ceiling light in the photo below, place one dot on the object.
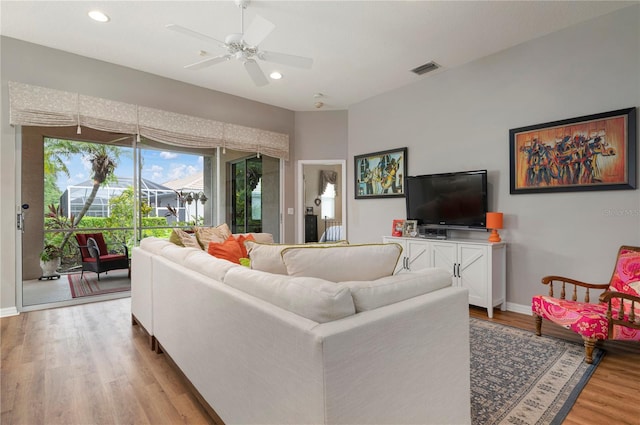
(275, 75)
(98, 16)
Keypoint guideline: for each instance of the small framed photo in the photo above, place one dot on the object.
(309, 210)
(397, 228)
(410, 228)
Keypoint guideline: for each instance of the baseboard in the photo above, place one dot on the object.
(519, 308)
(9, 311)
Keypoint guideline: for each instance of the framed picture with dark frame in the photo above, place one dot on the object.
(380, 174)
(593, 152)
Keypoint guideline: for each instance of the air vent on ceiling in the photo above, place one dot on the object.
(427, 67)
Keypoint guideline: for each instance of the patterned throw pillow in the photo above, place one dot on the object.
(219, 234)
(182, 238)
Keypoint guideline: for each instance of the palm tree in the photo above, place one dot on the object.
(103, 160)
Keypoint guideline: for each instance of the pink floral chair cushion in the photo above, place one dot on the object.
(588, 320)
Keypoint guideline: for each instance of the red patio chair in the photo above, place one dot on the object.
(96, 256)
(617, 314)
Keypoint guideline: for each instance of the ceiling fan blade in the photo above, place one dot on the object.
(256, 74)
(194, 34)
(259, 29)
(284, 59)
(208, 62)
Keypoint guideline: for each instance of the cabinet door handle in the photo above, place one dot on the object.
(454, 270)
(459, 270)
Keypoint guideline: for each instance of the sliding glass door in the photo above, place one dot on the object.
(175, 188)
(253, 194)
(126, 190)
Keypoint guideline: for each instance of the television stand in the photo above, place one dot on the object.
(478, 265)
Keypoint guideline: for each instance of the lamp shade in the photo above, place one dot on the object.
(494, 220)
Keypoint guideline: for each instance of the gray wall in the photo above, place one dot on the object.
(38, 65)
(460, 119)
(320, 135)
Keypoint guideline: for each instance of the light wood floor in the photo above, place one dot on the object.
(87, 364)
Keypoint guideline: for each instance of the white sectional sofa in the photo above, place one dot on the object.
(254, 360)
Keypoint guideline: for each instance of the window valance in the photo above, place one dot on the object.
(40, 106)
(326, 177)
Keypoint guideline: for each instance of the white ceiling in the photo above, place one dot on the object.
(360, 48)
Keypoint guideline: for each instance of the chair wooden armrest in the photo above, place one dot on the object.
(548, 280)
(618, 317)
(608, 295)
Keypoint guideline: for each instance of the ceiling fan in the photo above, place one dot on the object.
(244, 46)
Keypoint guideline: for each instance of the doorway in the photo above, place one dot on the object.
(322, 206)
(253, 194)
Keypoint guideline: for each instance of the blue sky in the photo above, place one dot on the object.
(158, 166)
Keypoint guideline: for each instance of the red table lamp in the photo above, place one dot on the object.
(494, 222)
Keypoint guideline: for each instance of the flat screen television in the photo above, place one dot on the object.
(453, 200)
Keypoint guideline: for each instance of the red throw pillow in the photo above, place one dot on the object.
(228, 250)
(241, 240)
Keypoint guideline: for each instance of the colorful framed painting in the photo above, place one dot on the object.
(593, 152)
(380, 174)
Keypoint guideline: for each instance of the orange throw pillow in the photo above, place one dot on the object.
(228, 250)
(241, 240)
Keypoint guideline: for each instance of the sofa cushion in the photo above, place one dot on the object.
(342, 263)
(209, 266)
(176, 253)
(314, 299)
(369, 295)
(267, 257)
(258, 237)
(204, 235)
(154, 245)
(182, 238)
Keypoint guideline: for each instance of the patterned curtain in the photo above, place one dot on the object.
(40, 106)
(326, 177)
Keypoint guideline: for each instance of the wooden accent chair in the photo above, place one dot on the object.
(616, 316)
(96, 257)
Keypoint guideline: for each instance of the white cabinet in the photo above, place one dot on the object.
(476, 265)
(415, 253)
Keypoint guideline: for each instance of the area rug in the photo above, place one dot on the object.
(520, 378)
(113, 281)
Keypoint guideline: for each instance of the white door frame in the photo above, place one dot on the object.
(300, 193)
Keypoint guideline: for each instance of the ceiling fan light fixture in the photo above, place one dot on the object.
(275, 75)
(244, 47)
(99, 16)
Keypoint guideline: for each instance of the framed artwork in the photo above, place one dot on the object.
(410, 228)
(380, 174)
(397, 227)
(593, 152)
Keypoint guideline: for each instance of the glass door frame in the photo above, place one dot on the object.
(218, 218)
